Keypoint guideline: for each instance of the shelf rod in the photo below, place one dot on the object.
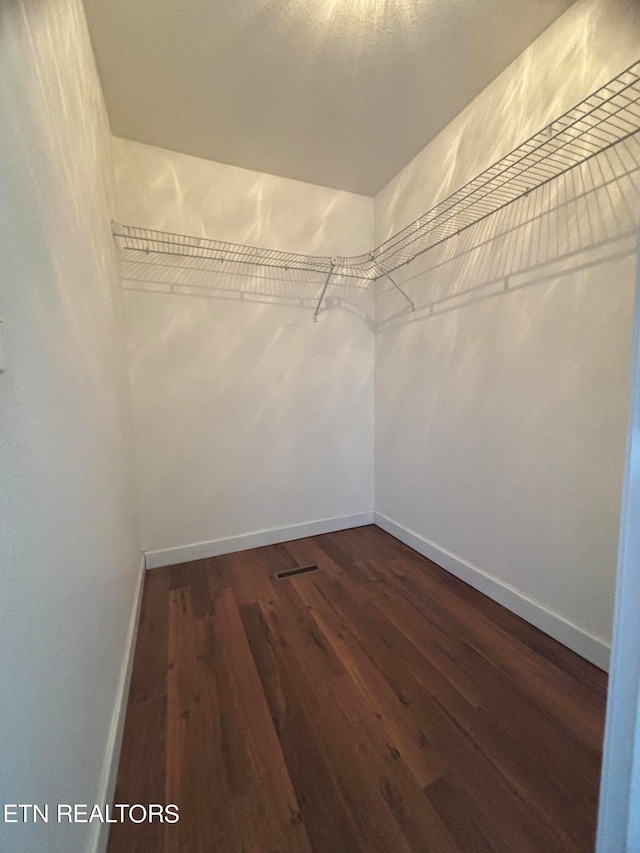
(324, 290)
(394, 283)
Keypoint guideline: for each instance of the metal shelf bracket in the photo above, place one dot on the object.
(393, 282)
(324, 290)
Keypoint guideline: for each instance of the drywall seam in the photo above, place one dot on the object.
(257, 539)
(593, 648)
(112, 755)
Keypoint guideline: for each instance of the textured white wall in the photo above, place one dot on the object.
(592, 42)
(248, 416)
(69, 551)
(501, 404)
(162, 189)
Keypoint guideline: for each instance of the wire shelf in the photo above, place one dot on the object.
(608, 116)
(147, 240)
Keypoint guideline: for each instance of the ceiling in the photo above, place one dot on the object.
(341, 93)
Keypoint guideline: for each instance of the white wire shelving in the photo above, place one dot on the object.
(603, 119)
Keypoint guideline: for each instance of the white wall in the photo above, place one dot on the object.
(169, 191)
(582, 50)
(69, 551)
(501, 404)
(248, 416)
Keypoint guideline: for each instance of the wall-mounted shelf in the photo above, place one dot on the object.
(608, 116)
(137, 239)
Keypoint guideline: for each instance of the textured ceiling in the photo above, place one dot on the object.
(335, 92)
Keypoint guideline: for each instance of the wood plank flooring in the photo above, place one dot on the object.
(379, 704)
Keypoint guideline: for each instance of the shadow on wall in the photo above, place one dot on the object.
(522, 101)
(583, 218)
(248, 415)
(168, 191)
(61, 202)
(213, 279)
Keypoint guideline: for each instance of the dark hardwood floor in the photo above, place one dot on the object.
(379, 704)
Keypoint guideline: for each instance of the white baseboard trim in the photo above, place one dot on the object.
(593, 648)
(202, 550)
(100, 838)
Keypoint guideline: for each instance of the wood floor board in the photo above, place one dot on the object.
(379, 705)
(143, 752)
(275, 823)
(363, 659)
(550, 685)
(334, 724)
(326, 812)
(219, 571)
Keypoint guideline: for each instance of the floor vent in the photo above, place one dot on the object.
(292, 573)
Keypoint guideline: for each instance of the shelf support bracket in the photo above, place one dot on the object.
(324, 290)
(395, 284)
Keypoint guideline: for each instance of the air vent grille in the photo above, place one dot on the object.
(292, 573)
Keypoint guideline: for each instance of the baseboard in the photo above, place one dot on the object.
(594, 649)
(216, 547)
(110, 770)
